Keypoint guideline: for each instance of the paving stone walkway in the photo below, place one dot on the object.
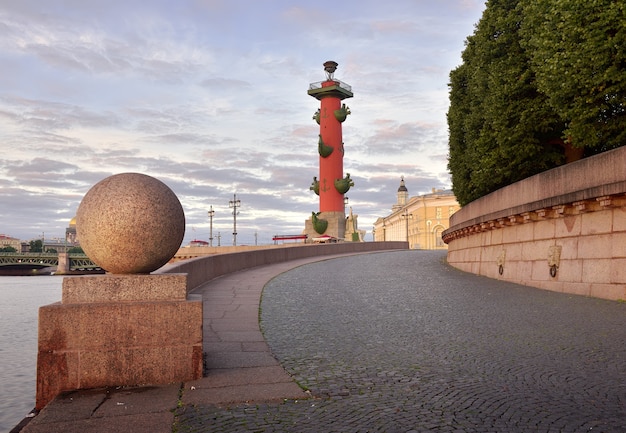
(401, 342)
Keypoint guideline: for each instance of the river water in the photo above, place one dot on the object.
(20, 299)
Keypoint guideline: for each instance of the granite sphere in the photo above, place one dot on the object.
(130, 223)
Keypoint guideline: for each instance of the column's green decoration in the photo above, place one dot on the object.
(342, 113)
(323, 149)
(343, 185)
(320, 225)
(316, 116)
(315, 186)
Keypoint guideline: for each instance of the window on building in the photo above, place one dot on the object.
(439, 243)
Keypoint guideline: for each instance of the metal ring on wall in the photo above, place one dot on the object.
(553, 269)
(501, 269)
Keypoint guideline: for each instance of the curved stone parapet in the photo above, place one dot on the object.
(204, 268)
(562, 230)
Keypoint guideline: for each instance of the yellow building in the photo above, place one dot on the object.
(419, 220)
(8, 241)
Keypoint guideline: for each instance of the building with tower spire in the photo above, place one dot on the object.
(403, 195)
(419, 220)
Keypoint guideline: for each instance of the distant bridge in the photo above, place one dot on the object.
(75, 263)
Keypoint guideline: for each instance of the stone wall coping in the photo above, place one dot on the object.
(587, 179)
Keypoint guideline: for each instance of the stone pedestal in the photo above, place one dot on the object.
(118, 330)
(336, 225)
(63, 265)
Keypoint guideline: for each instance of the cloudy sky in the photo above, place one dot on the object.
(210, 97)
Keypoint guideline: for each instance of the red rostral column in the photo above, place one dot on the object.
(331, 184)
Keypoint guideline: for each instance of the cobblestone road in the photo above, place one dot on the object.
(400, 342)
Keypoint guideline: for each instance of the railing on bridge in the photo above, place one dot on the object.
(80, 262)
(77, 262)
(37, 259)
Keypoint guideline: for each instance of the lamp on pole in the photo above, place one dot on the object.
(211, 213)
(234, 204)
(407, 216)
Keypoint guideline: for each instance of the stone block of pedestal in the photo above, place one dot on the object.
(118, 330)
(336, 225)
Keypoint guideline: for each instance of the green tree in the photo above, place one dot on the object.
(76, 250)
(36, 246)
(502, 129)
(578, 52)
(460, 160)
(8, 249)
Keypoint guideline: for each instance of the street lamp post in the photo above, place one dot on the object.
(211, 213)
(407, 216)
(234, 204)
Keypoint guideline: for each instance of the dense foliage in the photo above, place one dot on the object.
(578, 52)
(525, 93)
(36, 246)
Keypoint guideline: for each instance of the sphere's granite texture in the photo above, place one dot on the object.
(130, 223)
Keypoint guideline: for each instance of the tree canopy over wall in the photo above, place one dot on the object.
(541, 82)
